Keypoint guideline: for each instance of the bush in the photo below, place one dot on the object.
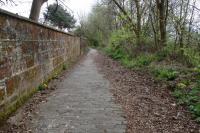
(119, 44)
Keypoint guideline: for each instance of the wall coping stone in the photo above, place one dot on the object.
(6, 13)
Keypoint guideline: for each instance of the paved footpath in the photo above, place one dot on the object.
(81, 104)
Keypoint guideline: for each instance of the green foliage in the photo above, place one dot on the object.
(144, 60)
(197, 69)
(191, 56)
(60, 17)
(117, 47)
(190, 97)
(97, 26)
(181, 85)
(120, 37)
(166, 74)
(11, 108)
(64, 67)
(117, 54)
(129, 63)
(42, 87)
(165, 52)
(161, 55)
(138, 62)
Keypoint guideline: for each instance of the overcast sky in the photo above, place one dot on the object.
(78, 7)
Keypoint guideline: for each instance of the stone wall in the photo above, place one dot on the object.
(29, 53)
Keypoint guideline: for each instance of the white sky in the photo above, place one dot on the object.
(78, 7)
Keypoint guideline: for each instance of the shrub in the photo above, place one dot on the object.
(119, 44)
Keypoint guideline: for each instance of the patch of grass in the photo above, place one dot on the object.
(144, 60)
(64, 66)
(165, 74)
(42, 86)
(127, 62)
(161, 55)
(197, 69)
(138, 62)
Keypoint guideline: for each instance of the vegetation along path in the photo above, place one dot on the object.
(81, 104)
(99, 95)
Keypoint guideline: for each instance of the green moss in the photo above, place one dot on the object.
(11, 108)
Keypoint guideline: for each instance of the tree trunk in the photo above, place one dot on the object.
(162, 6)
(138, 33)
(190, 24)
(35, 9)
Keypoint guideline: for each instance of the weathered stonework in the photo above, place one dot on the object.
(29, 53)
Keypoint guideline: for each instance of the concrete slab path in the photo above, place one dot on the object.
(81, 104)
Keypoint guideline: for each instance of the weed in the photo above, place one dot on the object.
(161, 55)
(181, 85)
(42, 87)
(64, 67)
(11, 108)
(144, 60)
(166, 74)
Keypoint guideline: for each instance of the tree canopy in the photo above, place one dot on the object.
(58, 16)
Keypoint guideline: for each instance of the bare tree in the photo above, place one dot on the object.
(136, 24)
(3, 2)
(35, 9)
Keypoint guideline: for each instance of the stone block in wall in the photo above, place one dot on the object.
(5, 70)
(29, 53)
(2, 95)
(12, 84)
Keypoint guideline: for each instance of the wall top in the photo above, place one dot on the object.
(6, 13)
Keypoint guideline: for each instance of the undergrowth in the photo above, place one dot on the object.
(187, 57)
(189, 97)
(165, 73)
